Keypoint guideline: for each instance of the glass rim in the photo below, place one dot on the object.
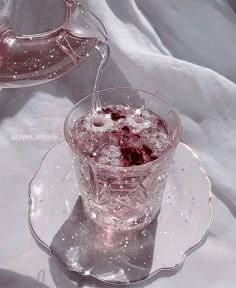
(176, 136)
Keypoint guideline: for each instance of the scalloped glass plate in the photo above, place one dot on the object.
(57, 220)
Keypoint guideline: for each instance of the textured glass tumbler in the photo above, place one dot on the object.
(124, 198)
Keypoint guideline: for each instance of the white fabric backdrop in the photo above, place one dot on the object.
(182, 49)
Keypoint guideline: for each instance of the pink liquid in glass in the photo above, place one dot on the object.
(119, 191)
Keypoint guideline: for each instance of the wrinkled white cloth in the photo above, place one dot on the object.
(184, 50)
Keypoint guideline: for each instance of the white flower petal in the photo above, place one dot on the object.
(115, 155)
(146, 114)
(158, 144)
(146, 124)
(103, 160)
(107, 152)
(153, 139)
(115, 162)
(108, 124)
(162, 135)
(113, 148)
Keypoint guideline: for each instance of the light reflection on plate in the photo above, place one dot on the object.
(57, 220)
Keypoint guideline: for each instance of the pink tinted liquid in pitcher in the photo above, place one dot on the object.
(27, 60)
(52, 55)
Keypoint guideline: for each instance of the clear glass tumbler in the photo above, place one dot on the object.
(124, 198)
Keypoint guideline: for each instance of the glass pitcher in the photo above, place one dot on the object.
(27, 60)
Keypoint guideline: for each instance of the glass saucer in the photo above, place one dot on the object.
(57, 220)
